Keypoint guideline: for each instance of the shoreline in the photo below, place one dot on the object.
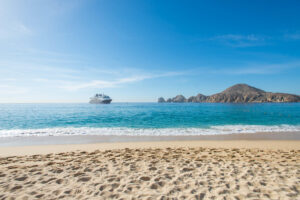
(20, 146)
(285, 145)
(90, 139)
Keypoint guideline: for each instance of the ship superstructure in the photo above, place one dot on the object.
(100, 99)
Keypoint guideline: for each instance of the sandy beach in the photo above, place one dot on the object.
(149, 100)
(232, 169)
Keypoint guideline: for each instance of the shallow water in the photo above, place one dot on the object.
(147, 119)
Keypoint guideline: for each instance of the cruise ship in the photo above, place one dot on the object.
(100, 99)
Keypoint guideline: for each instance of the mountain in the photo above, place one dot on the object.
(239, 93)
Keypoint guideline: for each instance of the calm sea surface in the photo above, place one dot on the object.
(147, 119)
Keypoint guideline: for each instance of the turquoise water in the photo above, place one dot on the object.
(146, 118)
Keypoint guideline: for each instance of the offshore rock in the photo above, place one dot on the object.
(161, 100)
(169, 100)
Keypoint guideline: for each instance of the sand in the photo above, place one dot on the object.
(92, 139)
(153, 170)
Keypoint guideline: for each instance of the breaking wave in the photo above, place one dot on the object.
(213, 130)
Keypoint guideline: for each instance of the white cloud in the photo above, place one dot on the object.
(238, 37)
(240, 40)
(72, 86)
(295, 36)
(14, 30)
(92, 84)
(257, 69)
(23, 29)
(8, 79)
(12, 90)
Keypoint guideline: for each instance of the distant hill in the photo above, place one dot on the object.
(239, 93)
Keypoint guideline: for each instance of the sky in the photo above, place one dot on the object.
(137, 51)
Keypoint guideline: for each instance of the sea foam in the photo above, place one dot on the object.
(213, 130)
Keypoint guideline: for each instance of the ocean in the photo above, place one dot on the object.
(135, 119)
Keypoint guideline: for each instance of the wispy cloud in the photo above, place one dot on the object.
(12, 90)
(251, 40)
(295, 36)
(23, 29)
(8, 79)
(248, 69)
(256, 69)
(15, 30)
(100, 83)
(72, 86)
(240, 40)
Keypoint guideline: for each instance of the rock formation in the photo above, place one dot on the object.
(161, 100)
(179, 99)
(198, 98)
(239, 93)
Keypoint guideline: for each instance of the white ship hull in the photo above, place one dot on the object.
(100, 101)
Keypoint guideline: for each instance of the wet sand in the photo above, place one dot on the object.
(198, 169)
(90, 139)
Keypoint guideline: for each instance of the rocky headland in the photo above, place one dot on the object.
(239, 93)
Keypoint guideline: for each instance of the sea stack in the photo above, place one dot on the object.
(161, 100)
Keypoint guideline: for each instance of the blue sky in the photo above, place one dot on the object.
(137, 51)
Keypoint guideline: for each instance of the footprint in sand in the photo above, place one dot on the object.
(102, 187)
(145, 178)
(58, 171)
(152, 168)
(39, 196)
(79, 174)
(22, 178)
(17, 187)
(154, 186)
(84, 179)
(59, 181)
(47, 181)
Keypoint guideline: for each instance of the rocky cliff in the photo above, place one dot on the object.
(239, 93)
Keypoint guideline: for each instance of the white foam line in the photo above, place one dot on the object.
(213, 130)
